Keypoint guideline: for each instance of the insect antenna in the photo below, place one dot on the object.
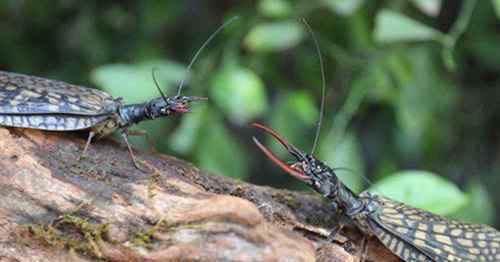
(323, 85)
(230, 21)
(153, 71)
(323, 94)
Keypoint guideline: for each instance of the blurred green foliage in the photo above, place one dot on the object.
(424, 189)
(412, 85)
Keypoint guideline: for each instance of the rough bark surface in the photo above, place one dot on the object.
(56, 208)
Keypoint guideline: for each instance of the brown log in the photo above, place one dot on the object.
(56, 208)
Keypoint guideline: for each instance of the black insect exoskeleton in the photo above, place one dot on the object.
(39, 103)
(410, 233)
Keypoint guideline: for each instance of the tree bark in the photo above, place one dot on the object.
(54, 207)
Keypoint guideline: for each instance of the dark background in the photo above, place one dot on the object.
(412, 86)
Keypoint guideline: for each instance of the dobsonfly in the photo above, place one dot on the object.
(40, 103)
(410, 233)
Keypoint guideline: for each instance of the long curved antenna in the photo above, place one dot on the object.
(201, 49)
(323, 86)
(153, 71)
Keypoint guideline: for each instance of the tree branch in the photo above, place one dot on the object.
(55, 208)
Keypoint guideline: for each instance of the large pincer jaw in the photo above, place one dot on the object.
(290, 169)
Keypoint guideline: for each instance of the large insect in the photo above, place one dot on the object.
(410, 233)
(39, 103)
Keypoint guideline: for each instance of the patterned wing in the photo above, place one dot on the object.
(23, 94)
(434, 236)
(398, 246)
(52, 122)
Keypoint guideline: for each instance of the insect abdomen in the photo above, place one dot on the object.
(417, 235)
(54, 122)
(400, 247)
(39, 103)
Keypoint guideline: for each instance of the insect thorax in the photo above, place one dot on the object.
(131, 114)
(106, 127)
(125, 116)
(361, 217)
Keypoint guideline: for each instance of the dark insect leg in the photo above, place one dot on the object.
(150, 140)
(348, 245)
(335, 231)
(363, 249)
(341, 222)
(136, 164)
(131, 152)
(89, 139)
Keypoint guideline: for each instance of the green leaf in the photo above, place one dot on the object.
(134, 82)
(275, 8)
(480, 208)
(219, 152)
(428, 7)
(274, 36)
(344, 153)
(185, 137)
(424, 98)
(240, 93)
(293, 117)
(376, 75)
(343, 7)
(393, 27)
(422, 189)
(496, 6)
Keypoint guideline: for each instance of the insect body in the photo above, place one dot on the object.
(410, 233)
(39, 103)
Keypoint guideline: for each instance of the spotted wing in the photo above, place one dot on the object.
(399, 246)
(52, 122)
(434, 236)
(23, 94)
